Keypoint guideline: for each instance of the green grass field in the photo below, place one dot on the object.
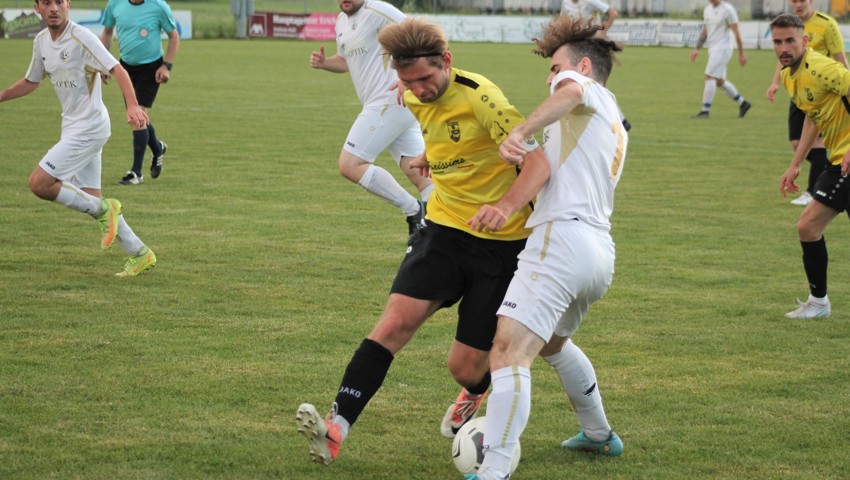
(272, 268)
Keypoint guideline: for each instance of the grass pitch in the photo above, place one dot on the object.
(272, 268)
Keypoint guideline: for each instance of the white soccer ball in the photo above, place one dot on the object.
(467, 447)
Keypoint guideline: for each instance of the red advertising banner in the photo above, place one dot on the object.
(300, 26)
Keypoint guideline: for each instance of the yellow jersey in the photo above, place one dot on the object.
(462, 131)
(819, 88)
(824, 34)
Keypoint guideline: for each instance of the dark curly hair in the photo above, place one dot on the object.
(581, 38)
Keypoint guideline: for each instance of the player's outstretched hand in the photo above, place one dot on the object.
(771, 92)
(399, 94)
(489, 218)
(137, 117)
(512, 150)
(421, 162)
(742, 59)
(317, 59)
(786, 183)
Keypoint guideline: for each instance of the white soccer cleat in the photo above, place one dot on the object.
(803, 200)
(811, 308)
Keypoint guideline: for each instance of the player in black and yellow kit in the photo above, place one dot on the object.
(818, 86)
(464, 119)
(824, 37)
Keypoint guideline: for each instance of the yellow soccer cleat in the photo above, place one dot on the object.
(138, 264)
(108, 222)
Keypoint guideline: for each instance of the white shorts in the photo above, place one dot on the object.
(565, 267)
(75, 160)
(718, 58)
(384, 127)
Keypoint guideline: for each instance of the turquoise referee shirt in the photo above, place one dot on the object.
(139, 26)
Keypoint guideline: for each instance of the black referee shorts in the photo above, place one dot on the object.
(447, 264)
(144, 81)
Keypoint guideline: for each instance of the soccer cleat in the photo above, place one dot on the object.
(811, 309)
(611, 447)
(323, 434)
(803, 200)
(744, 108)
(415, 221)
(107, 222)
(132, 178)
(701, 115)
(138, 264)
(156, 160)
(460, 411)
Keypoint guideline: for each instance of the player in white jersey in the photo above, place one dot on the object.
(593, 9)
(383, 124)
(568, 261)
(72, 59)
(719, 17)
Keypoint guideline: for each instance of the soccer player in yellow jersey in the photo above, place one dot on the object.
(464, 118)
(818, 85)
(824, 37)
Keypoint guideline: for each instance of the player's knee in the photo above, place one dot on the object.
(39, 188)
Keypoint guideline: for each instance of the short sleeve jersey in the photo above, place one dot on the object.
(717, 21)
(139, 27)
(818, 88)
(824, 35)
(357, 43)
(586, 150)
(73, 64)
(463, 130)
(585, 9)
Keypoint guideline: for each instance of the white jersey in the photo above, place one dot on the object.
(585, 9)
(357, 43)
(73, 64)
(717, 21)
(586, 150)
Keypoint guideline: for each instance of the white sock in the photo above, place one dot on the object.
(731, 92)
(819, 301)
(76, 199)
(507, 415)
(708, 94)
(379, 182)
(127, 239)
(425, 194)
(579, 381)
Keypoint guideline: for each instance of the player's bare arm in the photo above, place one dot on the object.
(535, 173)
(774, 86)
(742, 57)
(335, 64)
(566, 98)
(106, 39)
(163, 74)
(136, 115)
(18, 89)
(703, 36)
(807, 138)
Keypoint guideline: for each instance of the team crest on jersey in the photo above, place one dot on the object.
(354, 26)
(65, 55)
(144, 33)
(454, 131)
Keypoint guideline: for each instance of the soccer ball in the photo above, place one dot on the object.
(467, 447)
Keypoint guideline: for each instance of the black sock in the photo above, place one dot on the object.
(815, 261)
(153, 142)
(140, 144)
(817, 156)
(363, 377)
(481, 387)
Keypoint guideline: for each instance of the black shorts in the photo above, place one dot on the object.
(144, 81)
(795, 122)
(832, 189)
(447, 264)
